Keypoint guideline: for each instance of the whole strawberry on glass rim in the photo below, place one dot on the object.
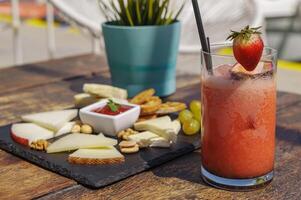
(247, 47)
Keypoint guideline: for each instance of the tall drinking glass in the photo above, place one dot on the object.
(239, 116)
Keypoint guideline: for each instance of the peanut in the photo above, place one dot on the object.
(87, 129)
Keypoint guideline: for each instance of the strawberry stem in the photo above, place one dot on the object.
(244, 33)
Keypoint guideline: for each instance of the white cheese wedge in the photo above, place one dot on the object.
(79, 141)
(105, 91)
(101, 135)
(26, 133)
(53, 120)
(176, 126)
(143, 139)
(108, 155)
(65, 129)
(161, 126)
(160, 142)
(84, 99)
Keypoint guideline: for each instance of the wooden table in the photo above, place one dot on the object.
(51, 85)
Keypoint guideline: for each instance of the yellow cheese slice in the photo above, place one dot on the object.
(79, 141)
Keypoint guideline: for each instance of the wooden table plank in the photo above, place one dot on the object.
(22, 180)
(30, 75)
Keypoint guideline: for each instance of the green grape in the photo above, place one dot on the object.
(197, 116)
(195, 106)
(191, 127)
(185, 115)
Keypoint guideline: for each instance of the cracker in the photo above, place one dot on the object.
(130, 150)
(147, 117)
(143, 96)
(151, 106)
(170, 107)
(127, 144)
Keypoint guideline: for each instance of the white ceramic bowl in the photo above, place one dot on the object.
(108, 124)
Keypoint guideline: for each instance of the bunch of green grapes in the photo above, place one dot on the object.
(191, 119)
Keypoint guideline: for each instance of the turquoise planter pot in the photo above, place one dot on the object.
(143, 57)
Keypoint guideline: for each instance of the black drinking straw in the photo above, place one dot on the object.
(204, 42)
(208, 43)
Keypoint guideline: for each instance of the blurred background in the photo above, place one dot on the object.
(37, 30)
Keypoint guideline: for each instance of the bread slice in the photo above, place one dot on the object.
(84, 99)
(100, 156)
(104, 91)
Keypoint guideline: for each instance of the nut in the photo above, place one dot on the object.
(127, 144)
(87, 129)
(126, 133)
(40, 145)
(75, 128)
(133, 149)
(78, 122)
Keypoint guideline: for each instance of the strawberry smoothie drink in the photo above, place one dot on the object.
(239, 116)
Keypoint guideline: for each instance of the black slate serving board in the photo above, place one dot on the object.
(96, 176)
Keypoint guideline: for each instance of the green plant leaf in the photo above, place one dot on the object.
(113, 106)
(102, 9)
(169, 19)
(129, 17)
(139, 19)
(118, 15)
(138, 12)
(150, 11)
(131, 8)
(179, 12)
(161, 9)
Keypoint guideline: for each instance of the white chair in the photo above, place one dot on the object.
(278, 8)
(281, 9)
(219, 17)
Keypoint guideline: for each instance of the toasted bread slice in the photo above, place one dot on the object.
(100, 156)
(104, 91)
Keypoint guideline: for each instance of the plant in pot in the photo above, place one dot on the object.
(142, 41)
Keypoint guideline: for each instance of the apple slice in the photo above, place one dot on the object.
(26, 133)
(262, 67)
(53, 120)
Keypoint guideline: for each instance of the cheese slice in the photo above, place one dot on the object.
(161, 126)
(101, 135)
(105, 91)
(84, 99)
(108, 155)
(143, 139)
(79, 141)
(160, 142)
(53, 120)
(176, 125)
(65, 129)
